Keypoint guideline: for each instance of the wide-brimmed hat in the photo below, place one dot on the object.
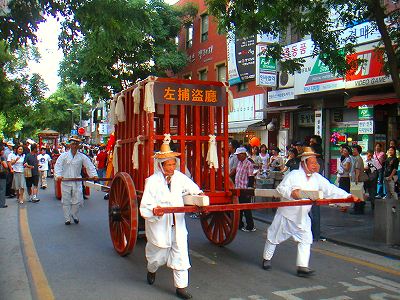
(10, 144)
(74, 139)
(165, 152)
(240, 150)
(308, 152)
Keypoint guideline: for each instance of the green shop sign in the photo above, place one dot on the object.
(365, 112)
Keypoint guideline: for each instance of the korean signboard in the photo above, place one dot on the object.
(369, 71)
(241, 59)
(189, 94)
(244, 108)
(306, 119)
(280, 95)
(366, 127)
(315, 77)
(265, 68)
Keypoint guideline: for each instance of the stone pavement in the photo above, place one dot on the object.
(14, 283)
(355, 231)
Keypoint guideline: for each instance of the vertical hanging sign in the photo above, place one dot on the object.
(318, 123)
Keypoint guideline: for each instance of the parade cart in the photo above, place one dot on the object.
(193, 115)
(49, 138)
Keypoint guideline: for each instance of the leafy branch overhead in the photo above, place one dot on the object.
(322, 21)
(111, 44)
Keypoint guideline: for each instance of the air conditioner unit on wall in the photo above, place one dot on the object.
(285, 80)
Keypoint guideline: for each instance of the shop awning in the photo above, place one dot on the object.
(241, 126)
(275, 109)
(389, 98)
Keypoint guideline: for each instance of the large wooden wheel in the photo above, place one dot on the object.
(221, 227)
(123, 213)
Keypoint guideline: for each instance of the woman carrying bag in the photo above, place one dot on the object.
(17, 163)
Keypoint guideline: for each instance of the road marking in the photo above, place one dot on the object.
(386, 281)
(34, 267)
(358, 261)
(202, 257)
(383, 296)
(338, 298)
(355, 288)
(289, 294)
(381, 283)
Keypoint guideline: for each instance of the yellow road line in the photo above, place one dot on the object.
(358, 261)
(39, 279)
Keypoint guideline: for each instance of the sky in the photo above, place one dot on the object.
(51, 56)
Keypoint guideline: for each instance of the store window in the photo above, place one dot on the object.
(204, 27)
(187, 76)
(203, 74)
(189, 36)
(221, 73)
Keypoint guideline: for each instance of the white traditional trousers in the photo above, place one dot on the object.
(282, 229)
(71, 200)
(173, 256)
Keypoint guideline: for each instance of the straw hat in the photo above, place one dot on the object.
(308, 152)
(74, 139)
(165, 152)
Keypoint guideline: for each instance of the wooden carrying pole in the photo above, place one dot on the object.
(86, 179)
(159, 211)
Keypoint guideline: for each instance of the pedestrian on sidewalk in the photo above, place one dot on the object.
(359, 178)
(31, 162)
(167, 235)
(10, 192)
(3, 178)
(16, 161)
(380, 157)
(371, 169)
(69, 165)
(294, 221)
(44, 159)
(390, 173)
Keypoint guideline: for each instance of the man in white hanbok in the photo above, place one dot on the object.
(167, 235)
(294, 221)
(69, 165)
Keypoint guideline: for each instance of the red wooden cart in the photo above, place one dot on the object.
(190, 111)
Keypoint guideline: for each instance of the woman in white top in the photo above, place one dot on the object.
(17, 163)
(264, 156)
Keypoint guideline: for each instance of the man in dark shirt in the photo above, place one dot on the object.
(31, 162)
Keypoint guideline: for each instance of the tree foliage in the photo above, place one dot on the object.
(324, 21)
(110, 44)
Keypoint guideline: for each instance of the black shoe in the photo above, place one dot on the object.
(67, 223)
(76, 221)
(151, 277)
(84, 197)
(4, 206)
(183, 294)
(266, 264)
(35, 200)
(107, 196)
(305, 272)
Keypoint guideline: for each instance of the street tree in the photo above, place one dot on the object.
(108, 45)
(324, 21)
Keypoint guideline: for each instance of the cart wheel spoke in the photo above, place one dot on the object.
(123, 213)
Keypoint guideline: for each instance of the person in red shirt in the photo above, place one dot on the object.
(101, 159)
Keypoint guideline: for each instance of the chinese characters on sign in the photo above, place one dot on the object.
(189, 94)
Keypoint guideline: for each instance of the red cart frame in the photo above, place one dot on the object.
(190, 111)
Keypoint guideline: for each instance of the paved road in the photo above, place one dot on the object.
(79, 263)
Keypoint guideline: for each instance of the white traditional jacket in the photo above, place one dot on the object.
(297, 179)
(156, 193)
(69, 166)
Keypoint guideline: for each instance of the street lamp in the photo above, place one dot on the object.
(80, 113)
(72, 117)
